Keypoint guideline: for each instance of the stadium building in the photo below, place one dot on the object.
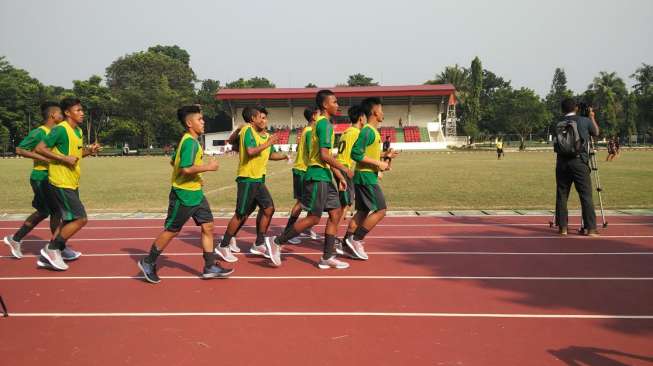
(416, 116)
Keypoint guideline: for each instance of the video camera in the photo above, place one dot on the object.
(585, 108)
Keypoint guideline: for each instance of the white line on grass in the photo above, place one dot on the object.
(333, 314)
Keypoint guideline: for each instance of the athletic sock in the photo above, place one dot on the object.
(360, 233)
(209, 259)
(287, 235)
(260, 238)
(329, 246)
(57, 243)
(226, 239)
(154, 254)
(20, 234)
(291, 222)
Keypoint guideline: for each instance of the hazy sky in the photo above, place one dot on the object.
(296, 42)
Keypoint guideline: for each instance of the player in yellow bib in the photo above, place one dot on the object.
(186, 199)
(299, 170)
(64, 147)
(51, 113)
(370, 202)
(345, 146)
(256, 147)
(320, 194)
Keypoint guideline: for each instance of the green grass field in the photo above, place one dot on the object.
(419, 180)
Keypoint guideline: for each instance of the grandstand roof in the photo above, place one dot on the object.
(390, 94)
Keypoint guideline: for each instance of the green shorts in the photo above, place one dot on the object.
(178, 214)
(319, 196)
(369, 198)
(297, 185)
(41, 190)
(250, 195)
(67, 202)
(347, 196)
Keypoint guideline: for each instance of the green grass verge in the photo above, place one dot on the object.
(419, 180)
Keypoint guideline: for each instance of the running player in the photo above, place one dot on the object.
(319, 193)
(256, 147)
(369, 196)
(299, 170)
(345, 145)
(64, 147)
(187, 199)
(51, 113)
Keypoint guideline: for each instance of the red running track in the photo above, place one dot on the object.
(436, 291)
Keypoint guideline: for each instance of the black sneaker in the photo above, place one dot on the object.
(216, 271)
(149, 271)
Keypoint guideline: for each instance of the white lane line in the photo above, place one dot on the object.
(321, 225)
(333, 314)
(426, 253)
(400, 237)
(484, 278)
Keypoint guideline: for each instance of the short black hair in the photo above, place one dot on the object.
(69, 102)
(368, 104)
(568, 105)
(262, 109)
(46, 108)
(321, 96)
(249, 113)
(186, 110)
(355, 112)
(308, 113)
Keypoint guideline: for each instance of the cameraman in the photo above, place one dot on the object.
(576, 170)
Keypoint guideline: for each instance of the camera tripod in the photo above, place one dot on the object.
(594, 169)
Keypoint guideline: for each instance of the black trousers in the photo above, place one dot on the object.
(578, 172)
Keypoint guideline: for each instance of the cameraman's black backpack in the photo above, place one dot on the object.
(566, 140)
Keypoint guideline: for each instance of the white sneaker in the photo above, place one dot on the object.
(233, 246)
(259, 250)
(295, 241)
(356, 247)
(14, 246)
(332, 263)
(273, 249)
(53, 257)
(225, 254)
(338, 247)
(313, 234)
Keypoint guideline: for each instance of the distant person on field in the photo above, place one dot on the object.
(500, 153)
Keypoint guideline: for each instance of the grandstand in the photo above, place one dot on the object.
(409, 110)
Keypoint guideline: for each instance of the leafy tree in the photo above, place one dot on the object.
(4, 138)
(310, 85)
(360, 80)
(456, 75)
(206, 97)
(522, 112)
(558, 92)
(643, 98)
(174, 52)
(491, 84)
(120, 131)
(608, 94)
(20, 96)
(255, 82)
(149, 87)
(472, 103)
(97, 101)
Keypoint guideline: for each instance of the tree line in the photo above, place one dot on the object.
(137, 98)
